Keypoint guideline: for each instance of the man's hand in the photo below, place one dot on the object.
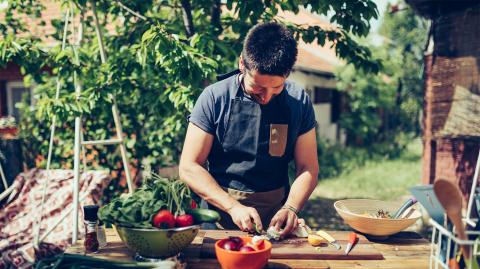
(285, 218)
(242, 216)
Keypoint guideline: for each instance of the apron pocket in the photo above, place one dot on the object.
(278, 139)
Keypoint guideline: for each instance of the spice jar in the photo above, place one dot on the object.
(91, 225)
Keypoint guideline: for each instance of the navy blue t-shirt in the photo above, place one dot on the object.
(210, 114)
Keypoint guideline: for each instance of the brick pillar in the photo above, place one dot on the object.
(451, 153)
(429, 149)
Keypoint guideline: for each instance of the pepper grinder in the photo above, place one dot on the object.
(91, 226)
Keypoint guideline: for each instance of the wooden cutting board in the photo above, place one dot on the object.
(293, 248)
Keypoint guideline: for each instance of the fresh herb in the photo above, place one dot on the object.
(383, 214)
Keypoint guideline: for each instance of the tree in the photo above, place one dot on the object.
(386, 105)
(161, 54)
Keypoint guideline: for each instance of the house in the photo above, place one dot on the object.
(314, 71)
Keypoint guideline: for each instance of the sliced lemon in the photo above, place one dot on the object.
(316, 240)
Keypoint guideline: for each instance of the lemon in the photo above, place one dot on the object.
(316, 240)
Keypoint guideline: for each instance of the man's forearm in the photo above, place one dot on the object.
(302, 188)
(203, 184)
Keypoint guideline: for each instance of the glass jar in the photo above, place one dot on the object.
(91, 226)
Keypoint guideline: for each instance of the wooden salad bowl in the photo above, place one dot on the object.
(359, 215)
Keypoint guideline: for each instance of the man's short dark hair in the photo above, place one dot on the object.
(270, 49)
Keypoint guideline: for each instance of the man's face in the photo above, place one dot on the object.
(261, 87)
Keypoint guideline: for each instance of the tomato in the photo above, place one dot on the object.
(164, 219)
(193, 204)
(184, 220)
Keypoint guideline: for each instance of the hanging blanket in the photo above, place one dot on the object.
(17, 218)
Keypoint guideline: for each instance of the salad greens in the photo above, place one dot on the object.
(137, 209)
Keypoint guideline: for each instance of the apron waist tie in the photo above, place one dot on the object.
(266, 203)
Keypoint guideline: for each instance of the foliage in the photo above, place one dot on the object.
(382, 105)
(156, 66)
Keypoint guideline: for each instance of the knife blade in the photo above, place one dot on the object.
(329, 238)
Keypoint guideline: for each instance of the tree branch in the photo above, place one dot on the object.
(187, 17)
(216, 11)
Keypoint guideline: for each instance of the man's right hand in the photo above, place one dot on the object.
(244, 217)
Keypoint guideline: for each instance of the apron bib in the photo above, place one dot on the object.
(259, 135)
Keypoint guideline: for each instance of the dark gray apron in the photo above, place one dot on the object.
(256, 136)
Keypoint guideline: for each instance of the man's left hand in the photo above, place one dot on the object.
(285, 218)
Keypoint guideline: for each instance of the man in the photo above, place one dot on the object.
(249, 126)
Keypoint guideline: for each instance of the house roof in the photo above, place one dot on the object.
(43, 27)
(312, 57)
(308, 62)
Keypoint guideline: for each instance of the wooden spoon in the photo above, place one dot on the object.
(450, 197)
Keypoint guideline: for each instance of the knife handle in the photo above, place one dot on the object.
(325, 235)
(352, 238)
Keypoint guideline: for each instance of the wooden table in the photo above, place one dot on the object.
(399, 253)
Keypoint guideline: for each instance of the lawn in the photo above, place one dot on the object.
(387, 179)
(384, 180)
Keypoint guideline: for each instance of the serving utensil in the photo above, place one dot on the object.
(404, 207)
(450, 198)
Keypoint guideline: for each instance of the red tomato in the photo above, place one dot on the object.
(193, 204)
(184, 220)
(260, 244)
(164, 219)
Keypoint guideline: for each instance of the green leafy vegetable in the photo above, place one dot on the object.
(137, 209)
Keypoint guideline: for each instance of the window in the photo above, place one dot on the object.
(332, 97)
(322, 95)
(15, 94)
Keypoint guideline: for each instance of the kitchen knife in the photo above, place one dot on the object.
(329, 238)
(351, 242)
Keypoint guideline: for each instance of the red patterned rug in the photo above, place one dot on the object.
(17, 218)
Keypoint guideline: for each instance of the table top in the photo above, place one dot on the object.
(399, 252)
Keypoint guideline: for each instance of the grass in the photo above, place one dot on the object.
(384, 180)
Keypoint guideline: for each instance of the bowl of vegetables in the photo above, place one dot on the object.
(242, 252)
(159, 219)
(157, 243)
(374, 217)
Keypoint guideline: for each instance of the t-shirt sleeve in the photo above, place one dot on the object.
(308, 115)
(203, 114)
